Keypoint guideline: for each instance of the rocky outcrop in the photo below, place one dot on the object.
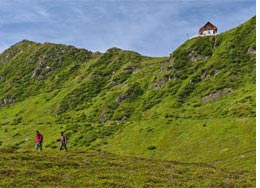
(37, 72)
(194, 56)
(215, 95)
(251, 51)
(161, 83)
(122, 97)
(7, 101)
(204, 75)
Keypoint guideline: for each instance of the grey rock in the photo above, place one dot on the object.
(215, 95)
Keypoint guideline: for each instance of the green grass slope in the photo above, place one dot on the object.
(197, 105)
(206, 111)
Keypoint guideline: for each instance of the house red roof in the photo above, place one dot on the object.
(208, 26)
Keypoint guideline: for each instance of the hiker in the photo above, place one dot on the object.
(63, 141)
(38, 141)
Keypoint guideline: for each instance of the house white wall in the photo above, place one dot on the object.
(208, 32)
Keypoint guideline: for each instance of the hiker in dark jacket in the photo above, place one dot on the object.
(39, 140)
(63, 141)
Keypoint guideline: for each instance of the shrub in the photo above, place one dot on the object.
(151, 147)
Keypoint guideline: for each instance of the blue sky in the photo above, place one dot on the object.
(150, 27)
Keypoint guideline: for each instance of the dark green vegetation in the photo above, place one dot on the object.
(196, 106)
(101, 170)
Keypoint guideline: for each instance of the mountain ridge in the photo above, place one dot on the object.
(201, 98)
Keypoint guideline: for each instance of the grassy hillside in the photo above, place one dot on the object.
(206, 111)
(197, 105)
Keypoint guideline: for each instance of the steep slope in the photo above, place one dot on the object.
(198, 105)
(207, 104)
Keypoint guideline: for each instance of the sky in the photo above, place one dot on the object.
(149, 27)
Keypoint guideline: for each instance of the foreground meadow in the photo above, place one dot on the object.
(101, 169)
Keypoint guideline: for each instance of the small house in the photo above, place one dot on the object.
(208, 29)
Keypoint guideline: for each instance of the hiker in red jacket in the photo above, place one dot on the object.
(38, 141)
(63, 141)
